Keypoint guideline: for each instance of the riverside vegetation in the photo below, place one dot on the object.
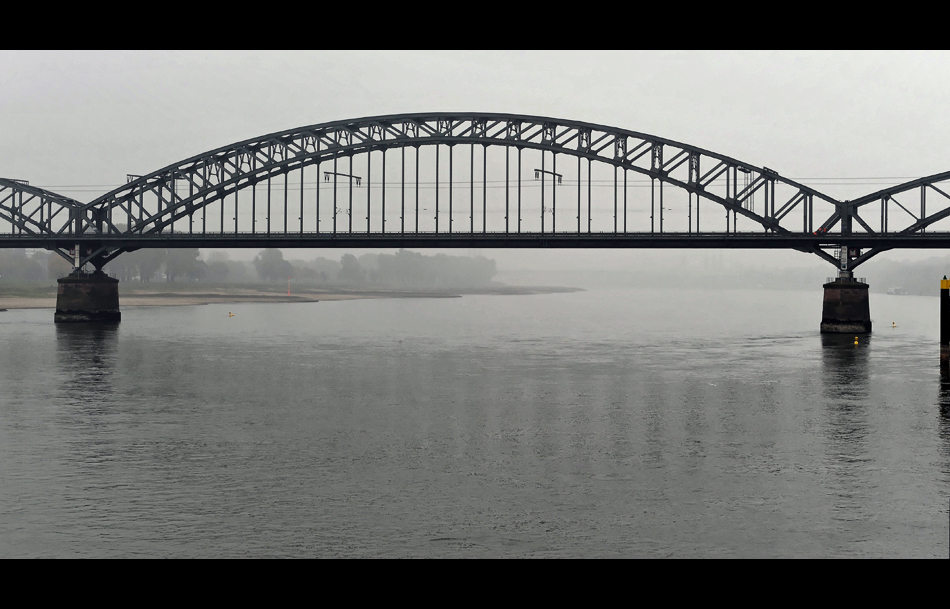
(32, 273)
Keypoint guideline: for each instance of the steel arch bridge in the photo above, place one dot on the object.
(472, 180)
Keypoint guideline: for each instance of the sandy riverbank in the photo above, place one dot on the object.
(140, 298)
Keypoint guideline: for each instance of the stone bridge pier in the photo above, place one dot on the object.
(85, 297)
(846, 307)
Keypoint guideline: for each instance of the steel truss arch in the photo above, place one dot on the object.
(146, 209)
(36, 211)
(216, 174)
(922, 186)
(848, 212)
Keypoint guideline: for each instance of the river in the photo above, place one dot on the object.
(604, 423)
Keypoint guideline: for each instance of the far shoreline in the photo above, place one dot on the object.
(138, 297)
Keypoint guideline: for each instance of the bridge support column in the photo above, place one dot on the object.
(846, 307)
(87, 297)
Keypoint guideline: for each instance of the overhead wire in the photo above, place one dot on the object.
(310, 185)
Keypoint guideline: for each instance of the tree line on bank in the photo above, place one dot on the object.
(403, 269)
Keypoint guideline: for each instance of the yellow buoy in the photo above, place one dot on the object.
(855, 340)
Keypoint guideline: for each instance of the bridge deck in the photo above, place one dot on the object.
(485, 240)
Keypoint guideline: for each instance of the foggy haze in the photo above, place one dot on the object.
(845, 123)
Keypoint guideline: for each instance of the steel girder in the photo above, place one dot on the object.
(216, 174)
(35, 211)
(915, 189)
(741, 189)
(805, 243)
(916, 198)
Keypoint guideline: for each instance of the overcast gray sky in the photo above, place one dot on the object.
(79, 121)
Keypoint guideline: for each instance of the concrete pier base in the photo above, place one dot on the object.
(846, 308)
(85, 297)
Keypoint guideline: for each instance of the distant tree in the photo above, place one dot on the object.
(271, 266)
(411, 269)
(15, 263)
(180, 262)
(122, 266)
(305, 274)
(237, 271)
(326, 266)
(148, 262)
(369, 262)
(199, 271)
(350, 270)
(218, 271)
(221, 268)
(57, 266)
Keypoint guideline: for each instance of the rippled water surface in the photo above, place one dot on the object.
(593, 424)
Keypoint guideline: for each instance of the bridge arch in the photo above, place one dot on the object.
(212, 176)
(918, 189)
(161, 208)
(34, 211)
